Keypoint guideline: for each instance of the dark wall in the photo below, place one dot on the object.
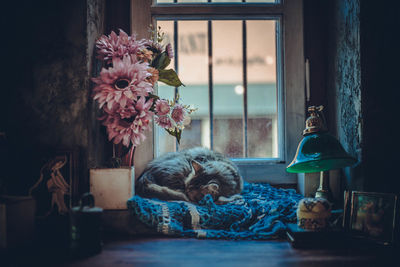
(117, 16)
(316, 22)
(45, 95)
(48, 60)
(380, 26)
(353, 49)
(344, 84)
(332, 45)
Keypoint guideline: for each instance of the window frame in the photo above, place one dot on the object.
(290, 13)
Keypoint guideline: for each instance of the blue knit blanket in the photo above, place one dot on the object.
(261, 214)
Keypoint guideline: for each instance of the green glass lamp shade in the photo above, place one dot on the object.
(319, 152)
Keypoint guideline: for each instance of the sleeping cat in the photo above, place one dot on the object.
(189, 175)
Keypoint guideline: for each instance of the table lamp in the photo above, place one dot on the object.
(319, 152)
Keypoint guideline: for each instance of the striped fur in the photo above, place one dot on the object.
(189, 175)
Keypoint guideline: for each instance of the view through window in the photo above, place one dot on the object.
(229, 68)
(243, 66)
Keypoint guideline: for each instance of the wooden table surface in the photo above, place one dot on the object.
(194, 252)
(164, 251)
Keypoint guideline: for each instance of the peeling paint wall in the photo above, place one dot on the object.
(348, 77)
(60, 82)
(344, 82)
(98, 146)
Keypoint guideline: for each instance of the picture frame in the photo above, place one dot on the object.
(56, 188)
(373, 216)
(346, 209)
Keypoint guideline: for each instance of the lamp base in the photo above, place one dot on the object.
(323, 190)
(324, 194)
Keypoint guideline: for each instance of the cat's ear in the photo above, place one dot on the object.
(196, 166)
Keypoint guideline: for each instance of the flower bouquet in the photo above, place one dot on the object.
(125, 91)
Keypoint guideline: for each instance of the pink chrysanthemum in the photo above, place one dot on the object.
(178, 113)
(127, 112)
(130, 130)
(117, 46)
(162, 107)
(120, 85)
(144, 55)
(154, 75)
(163, 122)
(122, 89)
(152, 45)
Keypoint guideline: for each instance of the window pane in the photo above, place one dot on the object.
(193, 71)
(165, 142)
(228, 124)
(227, 81)
(262, 89)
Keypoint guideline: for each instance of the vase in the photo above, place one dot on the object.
(112, 187)
(123, 156)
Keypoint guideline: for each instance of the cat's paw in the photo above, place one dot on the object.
(185, 198)
(212, 189)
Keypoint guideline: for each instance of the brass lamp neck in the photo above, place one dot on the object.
(315, 122)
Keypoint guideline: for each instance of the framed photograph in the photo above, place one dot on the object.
(346, 209)
(373, 215)
(56, 187)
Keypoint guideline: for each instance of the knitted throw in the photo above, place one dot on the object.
(261, 214)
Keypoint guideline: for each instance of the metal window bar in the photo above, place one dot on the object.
(176, 66)
(280, 96)
(279, 86)
(210, 75)
(210, 83)
(245, 114)
(259, 168)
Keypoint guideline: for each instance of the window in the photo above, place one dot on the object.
(242, 64)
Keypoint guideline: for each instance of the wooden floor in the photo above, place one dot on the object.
(193, 252)
(158, 251)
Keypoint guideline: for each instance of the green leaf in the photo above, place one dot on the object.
(155, 97)
(161, 61)
(177, 133)
(169, 77)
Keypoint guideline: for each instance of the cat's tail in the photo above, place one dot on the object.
(141, 184)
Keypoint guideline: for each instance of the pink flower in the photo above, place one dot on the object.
(178, 113)
(120, 85)
(154, 75)
(144, 55)
(123, 88)
(162, 107)
(163, 122)
(169, 50)
(152, 45)
(117, 46)
(130, 130)
(127, 112)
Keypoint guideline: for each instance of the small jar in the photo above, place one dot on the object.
(313, 213)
